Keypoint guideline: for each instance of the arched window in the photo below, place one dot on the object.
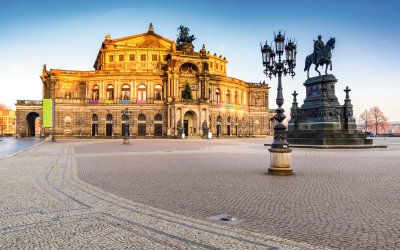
(158, 117)
(158, 92)
(95, 92)
(228, 96)
(142, 92)
(110, 92)
(142, 117)
(95, 118)
(109, 118)
(218, 95)
(126, 92)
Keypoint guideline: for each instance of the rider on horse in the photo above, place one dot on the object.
(318, 49)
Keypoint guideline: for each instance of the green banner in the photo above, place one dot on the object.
(47, 113)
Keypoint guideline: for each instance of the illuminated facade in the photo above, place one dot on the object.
(147, 74)
(7, 122)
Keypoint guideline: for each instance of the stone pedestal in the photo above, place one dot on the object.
(181, 135)
(205, 133)
(280, 162)
(321, 120)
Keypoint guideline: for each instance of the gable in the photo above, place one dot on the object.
(145, 40)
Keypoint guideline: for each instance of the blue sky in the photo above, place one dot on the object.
(68, 34)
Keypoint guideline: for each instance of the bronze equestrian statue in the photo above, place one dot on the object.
(322, 55)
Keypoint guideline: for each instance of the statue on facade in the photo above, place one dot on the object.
(204, 125)
(44, 71)
(179, 125)
(183, 36)
(321, 55)
(205, 66)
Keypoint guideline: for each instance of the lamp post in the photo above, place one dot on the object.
(125, 117)
(280, 151)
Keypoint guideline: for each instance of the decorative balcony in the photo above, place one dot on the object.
(229, 106)
(220, 105)
(141, 101)
(124, 102)
(108, 102)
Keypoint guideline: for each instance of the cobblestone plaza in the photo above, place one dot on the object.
(162, 194)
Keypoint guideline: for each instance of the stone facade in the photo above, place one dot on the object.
(7, 122)
(147, 73)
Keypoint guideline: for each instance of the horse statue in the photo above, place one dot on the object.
(324, 57)
(183, 36)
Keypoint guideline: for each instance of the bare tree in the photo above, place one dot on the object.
(378, 119)
(3, 107)
(365, 118)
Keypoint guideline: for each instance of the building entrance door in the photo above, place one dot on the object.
(218, 130)
(95, 128)
(186, 127)
(141, 129)
(109, 129)
(157, 129)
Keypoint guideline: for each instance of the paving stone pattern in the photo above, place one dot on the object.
(44, 205)
(342, 199)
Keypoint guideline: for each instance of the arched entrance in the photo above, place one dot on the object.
(190, 123)
(228, 126)
(95, 125)
(109, 125)
(158, 125)
(32, 124)
(141, 125)
(219, 124)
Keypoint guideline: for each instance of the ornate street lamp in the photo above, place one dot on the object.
(275, 65)
(125, 116)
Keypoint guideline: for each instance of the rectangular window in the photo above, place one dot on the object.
(164, 58)
(111, 58)
(143, 57)
(132, 57)
(216, 66)
(154, 58)
(121, 58)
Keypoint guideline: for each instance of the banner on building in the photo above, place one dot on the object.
(48, 113)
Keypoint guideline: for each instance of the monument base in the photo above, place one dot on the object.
(328, 137)
(322, 120)
(280, 162)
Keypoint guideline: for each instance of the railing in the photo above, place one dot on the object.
(29, 102)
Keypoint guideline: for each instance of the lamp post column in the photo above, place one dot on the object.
(280, 162)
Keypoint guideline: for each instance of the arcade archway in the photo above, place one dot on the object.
(33, 124)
